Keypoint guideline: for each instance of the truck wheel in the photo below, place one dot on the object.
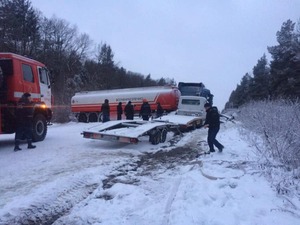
(39, 128)
(100, 117)
(82, 118)
(156, 138)
(93, 117)
(164, 133)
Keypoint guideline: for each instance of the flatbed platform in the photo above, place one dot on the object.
(129, 131)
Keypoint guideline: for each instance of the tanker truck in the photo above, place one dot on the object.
(86, 105)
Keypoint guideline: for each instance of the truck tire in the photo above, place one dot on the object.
(39, 128)
(164, 133)
(82, 118)
(156, 138)
(93, 117)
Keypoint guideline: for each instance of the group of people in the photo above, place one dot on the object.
(128, 110)
(24, 120)
(212, 121)
(145, 111)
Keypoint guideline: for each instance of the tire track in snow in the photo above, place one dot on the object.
(51, 206)
(170, 201)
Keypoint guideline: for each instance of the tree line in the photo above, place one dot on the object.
(75, 62)
(279, 79)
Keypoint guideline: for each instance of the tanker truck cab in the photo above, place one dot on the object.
(18, 75)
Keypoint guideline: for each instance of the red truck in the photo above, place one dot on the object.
(19, 74)
(87, 105)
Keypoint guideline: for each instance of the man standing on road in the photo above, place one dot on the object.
(145, 111)
(212, 122)
(24, 121)
(129, 111)
(105, 111)
(159, 110)
(119, 111)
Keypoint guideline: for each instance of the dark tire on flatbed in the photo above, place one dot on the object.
(156, 137)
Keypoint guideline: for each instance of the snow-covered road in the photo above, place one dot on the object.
(71, 180)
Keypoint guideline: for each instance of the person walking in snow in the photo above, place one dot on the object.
(119, 111)
(145, 111)
(105, 111)
(129, 111)
(212, 122)
(24, 121)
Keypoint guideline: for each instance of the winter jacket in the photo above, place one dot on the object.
(129, 111)
(105, 108)
(24, 112)
(212, 117)
(145, 109)
(119, 109)
(159, 111)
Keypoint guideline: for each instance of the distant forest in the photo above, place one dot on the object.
(76, 63)
(279, 79)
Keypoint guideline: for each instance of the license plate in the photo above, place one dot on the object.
(109, 138)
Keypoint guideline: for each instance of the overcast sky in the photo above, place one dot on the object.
(211, 41)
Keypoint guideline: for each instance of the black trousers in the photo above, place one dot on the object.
(211, 138)
(119, 116)
(24, 131)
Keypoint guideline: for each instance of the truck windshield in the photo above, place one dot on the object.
(190, 101)
(190, 89)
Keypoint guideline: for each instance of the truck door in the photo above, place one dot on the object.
(45, 86)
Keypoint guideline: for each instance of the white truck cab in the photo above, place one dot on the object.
(192, 106)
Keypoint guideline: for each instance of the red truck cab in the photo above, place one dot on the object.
(19, 74)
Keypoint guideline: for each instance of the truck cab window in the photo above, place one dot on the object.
(190, 102)
(27, 73)
(43, 76)
(6, 67)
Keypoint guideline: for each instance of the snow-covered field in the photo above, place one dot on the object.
(71, 180)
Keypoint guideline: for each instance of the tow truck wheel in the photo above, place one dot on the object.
(39, 128)
(156, 138)
(194, 126)
(164, 133)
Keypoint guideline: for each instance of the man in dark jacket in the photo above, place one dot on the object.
(145, 111)
(24, 121)
(159, 110)
(129, 111)
(119, 111)
(212, 122)
(105, 111)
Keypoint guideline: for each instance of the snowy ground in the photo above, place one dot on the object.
(71, 180)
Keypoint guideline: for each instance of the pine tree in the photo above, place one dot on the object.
(259, 89)
(19, 26)
(241, 94)
(285, 77)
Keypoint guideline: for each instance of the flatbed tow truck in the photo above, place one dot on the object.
(190, 115)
